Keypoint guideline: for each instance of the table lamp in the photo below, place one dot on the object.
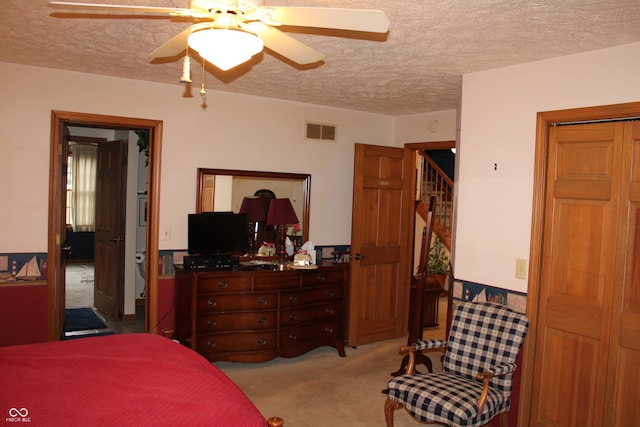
(280, 214)
(255, 209)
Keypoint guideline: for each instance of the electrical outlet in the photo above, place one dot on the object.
(166, 233)
(521, 269)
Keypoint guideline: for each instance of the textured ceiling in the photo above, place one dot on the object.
(415, 68)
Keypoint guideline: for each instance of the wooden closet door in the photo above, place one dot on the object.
(622, 403)
(577, 276)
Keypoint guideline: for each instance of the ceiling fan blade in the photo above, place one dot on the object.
(374, 21)
(283, 44)
(178, 43)
(120, 8)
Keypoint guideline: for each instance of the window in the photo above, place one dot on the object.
(81, 187)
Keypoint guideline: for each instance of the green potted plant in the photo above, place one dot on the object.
(438, 260)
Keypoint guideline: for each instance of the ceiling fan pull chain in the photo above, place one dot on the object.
(202, 90)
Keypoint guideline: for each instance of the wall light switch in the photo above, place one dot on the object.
(521, 269)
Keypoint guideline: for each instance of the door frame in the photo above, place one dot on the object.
(55, 239)
(545, 120)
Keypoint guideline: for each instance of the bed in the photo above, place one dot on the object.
(134, 379)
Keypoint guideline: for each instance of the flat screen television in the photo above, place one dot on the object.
(218, 233)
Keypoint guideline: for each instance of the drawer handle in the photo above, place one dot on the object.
(211, 344)
(331, 294)
(223, 284)
(328, 310)
(212, 303)
(212, 323)
(263, 301)
(292, 337)
(321, 278)
(328, 330)
(262, 320)
(293, 316)
(293, 298)
(262, 341)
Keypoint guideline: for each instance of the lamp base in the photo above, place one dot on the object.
(281, 265)
(282, 251)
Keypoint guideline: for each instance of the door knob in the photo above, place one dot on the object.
(358, 257)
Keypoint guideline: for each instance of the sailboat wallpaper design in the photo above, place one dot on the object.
(29, 271)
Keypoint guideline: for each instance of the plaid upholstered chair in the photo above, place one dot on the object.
(476, 381)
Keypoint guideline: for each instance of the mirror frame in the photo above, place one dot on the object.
(305, 180)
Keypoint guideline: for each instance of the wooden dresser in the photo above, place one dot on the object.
(254, 316)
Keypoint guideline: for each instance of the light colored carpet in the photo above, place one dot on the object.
(79, 285)
(322, 389)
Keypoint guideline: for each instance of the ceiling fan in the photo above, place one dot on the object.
(229, 32)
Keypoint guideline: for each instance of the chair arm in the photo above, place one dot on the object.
(485, 376)
(427, 346)
(423, 345)
(496, 371)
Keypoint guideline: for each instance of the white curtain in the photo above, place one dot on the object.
(84, 164)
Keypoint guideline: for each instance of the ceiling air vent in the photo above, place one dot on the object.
(320, 132)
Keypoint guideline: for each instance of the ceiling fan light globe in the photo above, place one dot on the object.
(225, 48)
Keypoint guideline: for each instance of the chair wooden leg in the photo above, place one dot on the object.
(389, 408)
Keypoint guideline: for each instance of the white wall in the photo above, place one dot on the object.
(426, 127)
(233, 132)
(498, 118)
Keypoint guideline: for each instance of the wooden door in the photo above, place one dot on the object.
(622, 403)
(586, 359)
(110, 219)
(381, 243)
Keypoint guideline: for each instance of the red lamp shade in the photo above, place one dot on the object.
(281, 212)
(254, 207)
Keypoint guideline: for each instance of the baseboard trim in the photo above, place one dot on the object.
(129, 318)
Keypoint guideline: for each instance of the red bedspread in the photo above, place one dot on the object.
(137, 379)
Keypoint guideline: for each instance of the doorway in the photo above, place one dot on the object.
(57, 216)
(105, 172)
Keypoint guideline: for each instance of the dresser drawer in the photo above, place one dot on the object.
(322, 277)
(321, 331)
(272, 280)
(310, 296)
(223, 322)
(294, 316)
(224, 283)
(224, 302)
(257, 315)
(244, 341)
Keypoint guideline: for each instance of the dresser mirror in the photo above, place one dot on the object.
(220, 190)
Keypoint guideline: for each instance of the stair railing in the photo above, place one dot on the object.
(434, 182)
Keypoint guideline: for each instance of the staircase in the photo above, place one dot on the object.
(434, 181)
